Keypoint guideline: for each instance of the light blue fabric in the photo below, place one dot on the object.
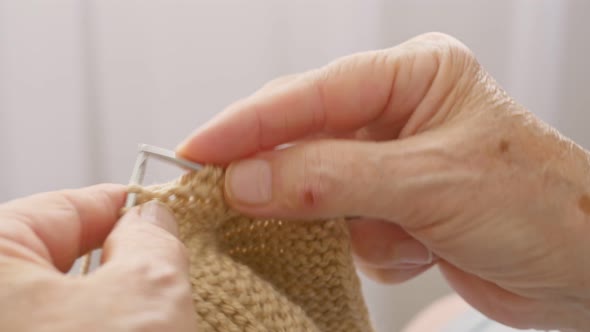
(473, 321)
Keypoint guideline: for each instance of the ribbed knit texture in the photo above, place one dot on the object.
(261, 275)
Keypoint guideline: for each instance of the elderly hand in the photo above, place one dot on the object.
(142, 284)
(429, 152)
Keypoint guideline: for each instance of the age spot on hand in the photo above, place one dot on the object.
(584, 204)
(504, 146)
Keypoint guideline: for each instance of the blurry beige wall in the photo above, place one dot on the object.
(83, 82)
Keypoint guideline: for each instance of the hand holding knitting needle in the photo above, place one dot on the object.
(440, 165)
(142, 284)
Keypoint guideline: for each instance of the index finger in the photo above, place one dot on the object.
(58, 227)
(378, 89)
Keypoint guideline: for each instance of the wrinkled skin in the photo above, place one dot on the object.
(438, 164)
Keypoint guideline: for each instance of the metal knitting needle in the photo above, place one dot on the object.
(136, 177)
(138, 174)
(169, 156)
(146, 151)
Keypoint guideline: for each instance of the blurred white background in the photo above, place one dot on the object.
(83, 82)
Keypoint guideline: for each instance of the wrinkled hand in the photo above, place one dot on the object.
(428, 151)
(142, 284)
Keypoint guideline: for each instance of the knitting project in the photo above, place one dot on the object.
(261, 275)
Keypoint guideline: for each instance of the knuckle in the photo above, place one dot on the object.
(157, 273)
(160, 292)
(445, 47)
(441, 39)
(453, 64)
(438, 37)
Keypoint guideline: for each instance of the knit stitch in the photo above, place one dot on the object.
(261, 275)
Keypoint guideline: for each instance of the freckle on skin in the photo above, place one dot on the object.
(504, 146)
(584, 204)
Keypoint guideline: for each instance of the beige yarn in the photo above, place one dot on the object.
(261, 275)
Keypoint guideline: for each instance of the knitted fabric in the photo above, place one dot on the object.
(261, 275)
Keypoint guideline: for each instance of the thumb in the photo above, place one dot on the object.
(146, 234)
(336, 178)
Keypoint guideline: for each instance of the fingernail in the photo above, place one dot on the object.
(157, 213)
(411, 253)
(394, 275)
(250, 182)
